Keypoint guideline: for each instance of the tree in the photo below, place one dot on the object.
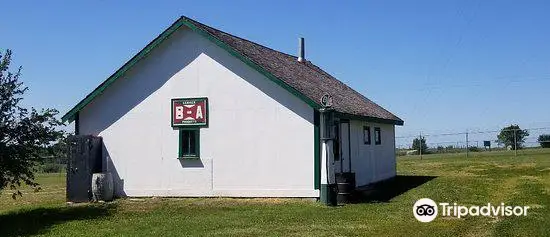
(419, 144)
(24, 134)
(512, 136)
(544, 140)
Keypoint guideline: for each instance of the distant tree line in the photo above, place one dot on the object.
(511, 137)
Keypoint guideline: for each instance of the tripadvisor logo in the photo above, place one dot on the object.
(426, 210)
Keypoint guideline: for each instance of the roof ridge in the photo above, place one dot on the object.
(232, 35)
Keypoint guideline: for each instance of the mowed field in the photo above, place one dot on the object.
(483, 177)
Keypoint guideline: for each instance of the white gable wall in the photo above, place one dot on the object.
(259, 141)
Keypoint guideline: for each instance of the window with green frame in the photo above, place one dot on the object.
(377, 136)
(366, 135)
(189, 143)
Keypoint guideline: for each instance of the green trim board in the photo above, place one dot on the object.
(196, 133)
(70, 115)
(316, 150)
(328, 194)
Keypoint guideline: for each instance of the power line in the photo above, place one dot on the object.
(475, 132)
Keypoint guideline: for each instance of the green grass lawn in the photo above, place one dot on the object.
(483, 177)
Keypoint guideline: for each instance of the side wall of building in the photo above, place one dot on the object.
(372, 163)
(259, 142)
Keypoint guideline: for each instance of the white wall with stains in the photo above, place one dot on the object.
(259, 142)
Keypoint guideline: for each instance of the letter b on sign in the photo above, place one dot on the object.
(179, 112)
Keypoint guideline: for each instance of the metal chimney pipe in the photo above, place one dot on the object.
(301, 50)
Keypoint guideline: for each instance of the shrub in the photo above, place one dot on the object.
(52, 168)
(473, 149)
(544, 140)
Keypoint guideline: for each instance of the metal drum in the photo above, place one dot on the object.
(102, 187)
(345, 183)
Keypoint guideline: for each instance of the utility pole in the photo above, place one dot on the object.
(420, 145)
(467, 144)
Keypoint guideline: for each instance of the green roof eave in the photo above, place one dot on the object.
(71, 114)
(369, 119)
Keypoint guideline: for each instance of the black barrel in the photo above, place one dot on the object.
(345, 183)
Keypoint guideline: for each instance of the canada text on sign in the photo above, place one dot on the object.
(189, 112)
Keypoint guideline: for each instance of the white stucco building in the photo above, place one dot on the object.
(200, 112)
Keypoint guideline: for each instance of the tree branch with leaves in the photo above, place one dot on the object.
(24, 134)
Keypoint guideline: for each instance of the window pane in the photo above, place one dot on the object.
(377, 136)
(366, 135)
(192, 143)
(185, 142)
(189, 142)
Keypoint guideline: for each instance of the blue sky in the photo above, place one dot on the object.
(442, 66)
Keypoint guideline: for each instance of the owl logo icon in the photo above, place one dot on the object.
(425, 210)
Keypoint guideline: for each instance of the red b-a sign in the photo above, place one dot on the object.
(188, 112)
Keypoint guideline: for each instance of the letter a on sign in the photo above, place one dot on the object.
(189, 112)
(199, 112)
